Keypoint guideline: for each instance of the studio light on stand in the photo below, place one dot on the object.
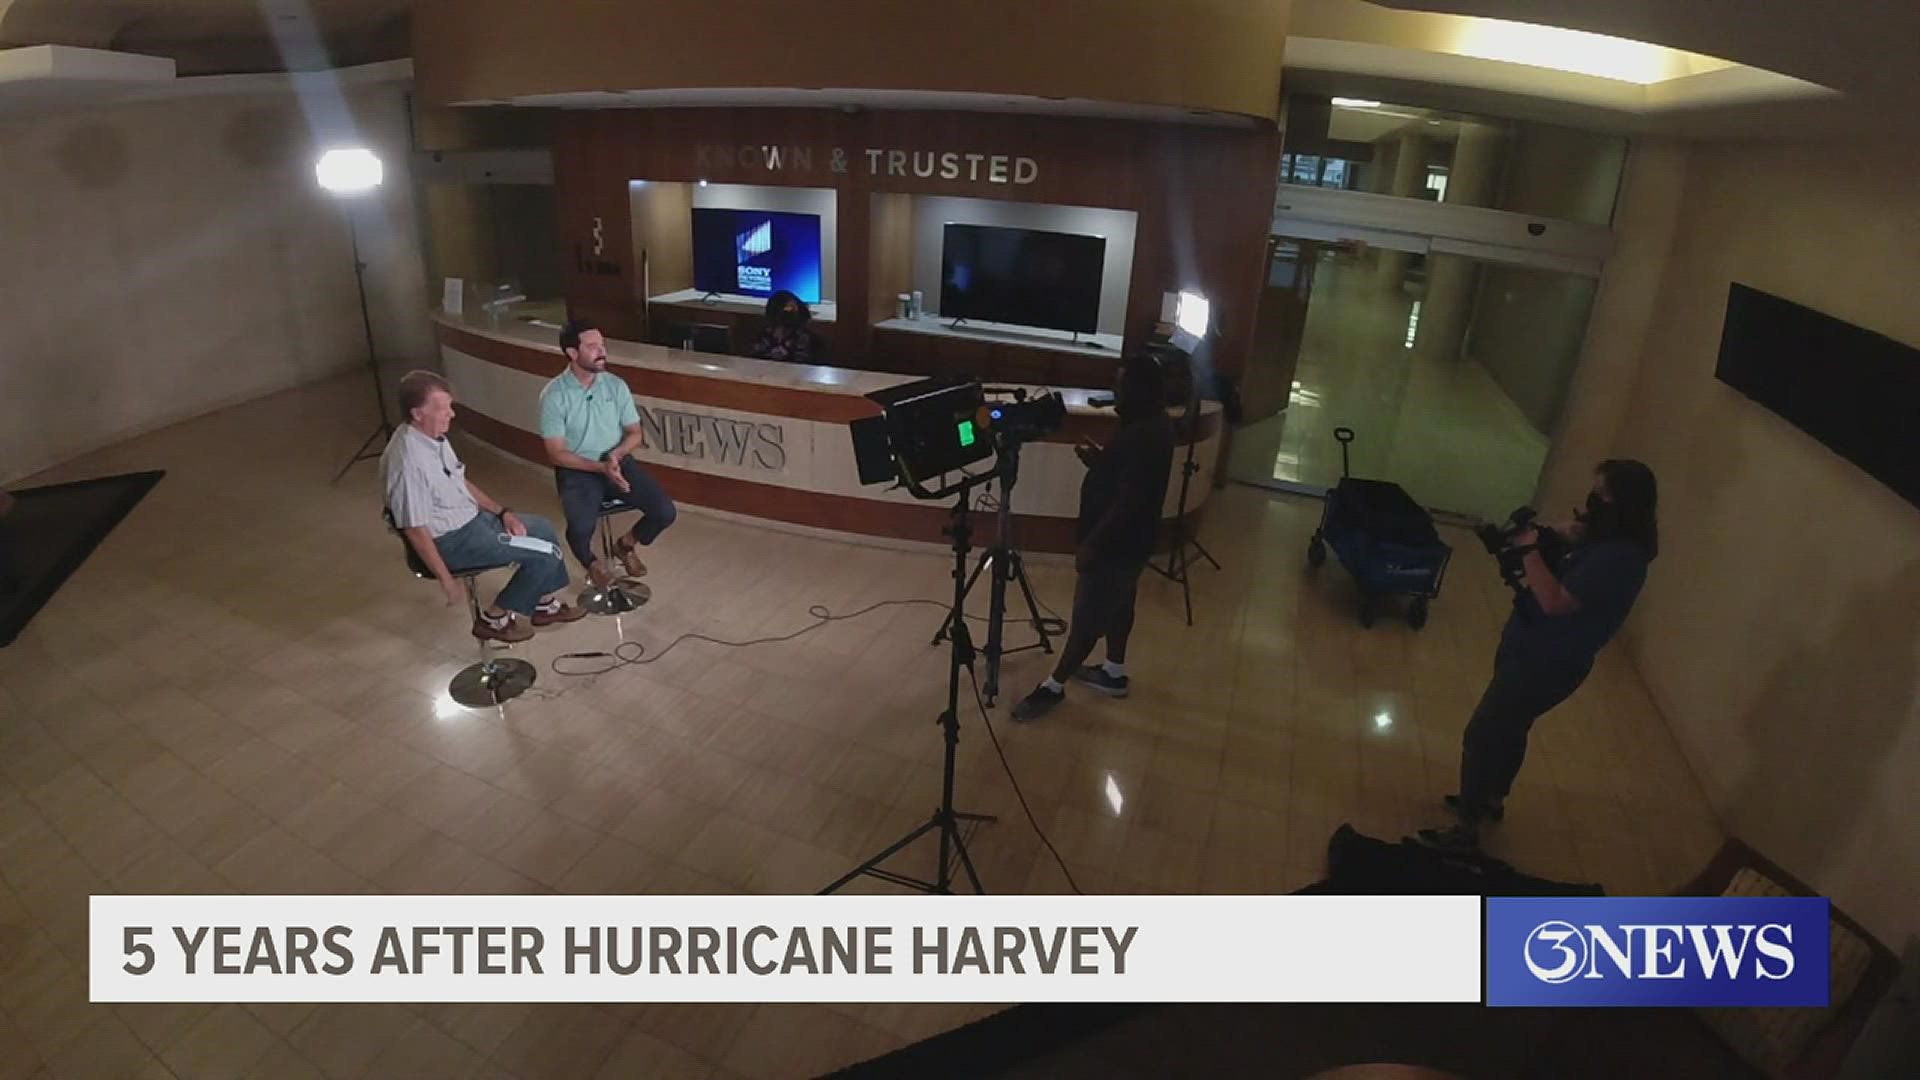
(349, 173)
(927, 435)
(1192, 323)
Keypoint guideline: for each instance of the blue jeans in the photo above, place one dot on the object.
(581, 494)
(477, 544)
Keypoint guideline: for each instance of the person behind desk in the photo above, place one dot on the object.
(1120, 502)
(452, 525)
(590, 426)
(788, 336)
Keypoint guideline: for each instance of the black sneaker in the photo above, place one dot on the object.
(1038, 704)
(1452, 840)
(1491, 811)
(1097, 677)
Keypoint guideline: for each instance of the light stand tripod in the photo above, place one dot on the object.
(1180, 555)
(945, 820)
(1007, 565)
(377, 441)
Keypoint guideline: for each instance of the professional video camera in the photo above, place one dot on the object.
(1025, 418)
(1501, 542)
(935, 426)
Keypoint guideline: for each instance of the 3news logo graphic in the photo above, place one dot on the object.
(748, 247)
(1681, 950)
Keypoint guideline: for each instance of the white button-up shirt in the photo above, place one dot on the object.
(426, 483)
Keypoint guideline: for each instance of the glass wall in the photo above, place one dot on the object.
(1452, 158)
(1452, 371)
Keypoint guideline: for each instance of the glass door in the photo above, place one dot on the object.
(1451, 368)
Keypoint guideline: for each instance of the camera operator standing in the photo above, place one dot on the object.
(1120, 502)
(1562, 615)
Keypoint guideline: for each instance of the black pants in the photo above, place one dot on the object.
(581, 494)
(1102, 608)
(1495, 742)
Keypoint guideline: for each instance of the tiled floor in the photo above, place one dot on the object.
(242, 691)
(1443, 429)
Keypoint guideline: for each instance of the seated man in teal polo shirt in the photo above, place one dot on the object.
(590, 425)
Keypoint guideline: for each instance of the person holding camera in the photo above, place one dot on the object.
(1564, 611)
(1120, 502)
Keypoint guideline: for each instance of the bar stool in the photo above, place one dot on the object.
(624, 594)
(492, 680)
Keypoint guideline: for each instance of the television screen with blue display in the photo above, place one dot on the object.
(756, 252)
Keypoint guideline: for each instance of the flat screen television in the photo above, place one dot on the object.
(1854, 390)
(1021, 276)
(756, 252)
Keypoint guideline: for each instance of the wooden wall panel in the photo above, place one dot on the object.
(1203, 194)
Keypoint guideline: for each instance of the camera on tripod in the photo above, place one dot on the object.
(1502, 542)
(926, 430)
(934, 426)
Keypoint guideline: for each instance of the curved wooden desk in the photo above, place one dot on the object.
(769, 441)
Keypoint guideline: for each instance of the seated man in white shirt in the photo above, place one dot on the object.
(453, 525)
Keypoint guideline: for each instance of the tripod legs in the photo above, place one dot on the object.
(1007, 566)
(372, 448)
(949, 827)
(1178, 559)
(945, 820)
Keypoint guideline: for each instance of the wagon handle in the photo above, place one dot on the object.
(1345, 436)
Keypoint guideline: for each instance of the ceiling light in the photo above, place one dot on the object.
(1575, 51)
(1355, 103)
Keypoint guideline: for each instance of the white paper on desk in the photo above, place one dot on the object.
(531, 543)
(453, 296)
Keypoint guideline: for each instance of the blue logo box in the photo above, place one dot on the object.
(1642, 951)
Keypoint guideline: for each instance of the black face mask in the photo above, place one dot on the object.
(1601, 517)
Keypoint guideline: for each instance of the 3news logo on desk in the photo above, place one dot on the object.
(1652, 951)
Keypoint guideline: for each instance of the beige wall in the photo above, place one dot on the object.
(663, 233)
(1779, 629)
(167, 258)
(1221, 55)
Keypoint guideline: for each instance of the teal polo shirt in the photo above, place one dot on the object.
(592, 419)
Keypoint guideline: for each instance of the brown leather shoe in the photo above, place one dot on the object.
(630, 557)
(513, 632)
(565, 613)
(601, 573)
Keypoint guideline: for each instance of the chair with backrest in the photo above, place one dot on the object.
(491, 680)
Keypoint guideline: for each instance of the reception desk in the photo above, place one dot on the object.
(768, 441)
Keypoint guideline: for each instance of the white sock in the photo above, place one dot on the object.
(497, 621)
(1053, 684)
(1115, 668)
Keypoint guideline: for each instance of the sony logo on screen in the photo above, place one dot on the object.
(713, 438)
(974, 168)
(1558, 952)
